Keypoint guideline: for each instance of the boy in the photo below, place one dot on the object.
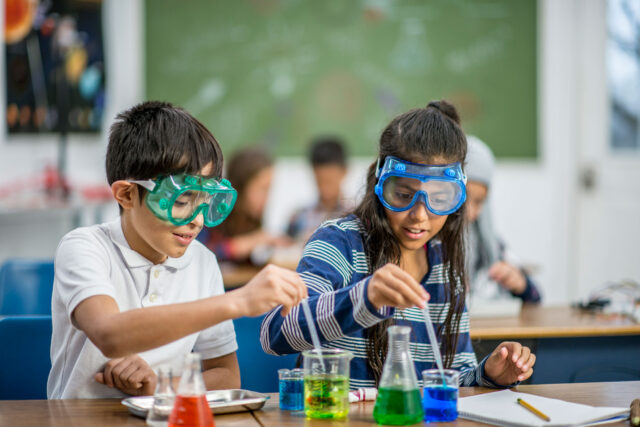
(138, 292)
(329, 164)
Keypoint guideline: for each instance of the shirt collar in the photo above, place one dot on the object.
(133, 259)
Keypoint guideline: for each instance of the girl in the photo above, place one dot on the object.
(402, 246)
(251, 171)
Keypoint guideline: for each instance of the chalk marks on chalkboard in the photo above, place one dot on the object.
(208, 94)
(388, 100)
(339, 96)
(411, 53)
(482, 51)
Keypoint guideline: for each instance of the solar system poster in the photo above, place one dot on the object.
(55, 71)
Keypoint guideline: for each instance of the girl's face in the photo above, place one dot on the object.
(414, 227)
(476, 196)
(256, 193)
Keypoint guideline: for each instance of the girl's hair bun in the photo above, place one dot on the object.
(445, 108)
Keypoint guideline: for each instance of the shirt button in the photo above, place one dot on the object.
(156, 274)
(153, 297)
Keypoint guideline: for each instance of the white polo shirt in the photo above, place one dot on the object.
(97, 260)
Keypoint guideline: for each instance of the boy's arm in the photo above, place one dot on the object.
(221, 372)
(119, 334)
(132, 375)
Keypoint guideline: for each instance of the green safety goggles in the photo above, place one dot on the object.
(179, 199)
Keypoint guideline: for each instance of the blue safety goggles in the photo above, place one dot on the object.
(442, 188)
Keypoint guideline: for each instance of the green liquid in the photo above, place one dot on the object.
(398, 407)
(326, 396)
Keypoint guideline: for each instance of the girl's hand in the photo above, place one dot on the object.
(510, 362)
(271, 287)
(390, 285)
(508, 276)
(131, 375)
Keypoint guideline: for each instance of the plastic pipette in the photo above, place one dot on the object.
(312, 326)
(434, 342)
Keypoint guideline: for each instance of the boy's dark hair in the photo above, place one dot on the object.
(156, 138)
(327, 150)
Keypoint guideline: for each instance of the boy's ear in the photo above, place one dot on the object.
(125, 193)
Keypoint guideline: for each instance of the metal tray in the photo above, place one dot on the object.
(220, 402)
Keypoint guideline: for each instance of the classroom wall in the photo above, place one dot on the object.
(532, 200)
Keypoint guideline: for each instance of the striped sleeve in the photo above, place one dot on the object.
(337, 287)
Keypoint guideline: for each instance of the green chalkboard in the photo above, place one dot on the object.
(278, 72)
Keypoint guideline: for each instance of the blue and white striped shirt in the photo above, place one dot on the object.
(335, 269)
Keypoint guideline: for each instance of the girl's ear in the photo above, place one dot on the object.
(125, 193)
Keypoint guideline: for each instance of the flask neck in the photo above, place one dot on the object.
(398, 345)
(191, 382)
(165, 381)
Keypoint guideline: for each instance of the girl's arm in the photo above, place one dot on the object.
(335, 270)
(342, 296)
(508, 365)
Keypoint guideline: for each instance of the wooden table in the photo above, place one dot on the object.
(535, 321)
(109, 412)
(570, 345)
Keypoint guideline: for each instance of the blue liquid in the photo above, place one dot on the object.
(292, 395)
(440, 404)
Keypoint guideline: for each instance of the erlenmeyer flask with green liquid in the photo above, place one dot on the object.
(398, 401)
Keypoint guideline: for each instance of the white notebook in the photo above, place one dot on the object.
(501, 409)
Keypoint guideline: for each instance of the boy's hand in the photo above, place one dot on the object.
(510, 362)
(271, 287)
(390, 285)
(131, 375)
(508, 276)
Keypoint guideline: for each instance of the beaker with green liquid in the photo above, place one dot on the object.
(326, 383)
(399, 402)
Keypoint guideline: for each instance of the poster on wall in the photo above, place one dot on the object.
(55, 71)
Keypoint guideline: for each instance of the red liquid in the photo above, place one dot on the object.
(191, 411)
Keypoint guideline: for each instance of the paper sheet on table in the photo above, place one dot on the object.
(500, 408)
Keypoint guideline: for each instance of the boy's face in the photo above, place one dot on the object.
(329, 181)
(152, 237)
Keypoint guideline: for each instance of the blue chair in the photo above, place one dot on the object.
(258, 370)
(24, 359)
(26, 286)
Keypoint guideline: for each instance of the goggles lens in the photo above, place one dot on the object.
(402, 183)
(179, 199)
(439, 196)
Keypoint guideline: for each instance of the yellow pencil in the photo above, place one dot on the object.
(533, 410)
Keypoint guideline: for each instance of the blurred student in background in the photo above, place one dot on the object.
(492, 275)
(250, 171)
(329, 162)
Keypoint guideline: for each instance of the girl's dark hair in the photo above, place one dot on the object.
(242, 168)
(420, 135)
(156, 138)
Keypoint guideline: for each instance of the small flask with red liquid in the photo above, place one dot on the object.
(191, 408)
